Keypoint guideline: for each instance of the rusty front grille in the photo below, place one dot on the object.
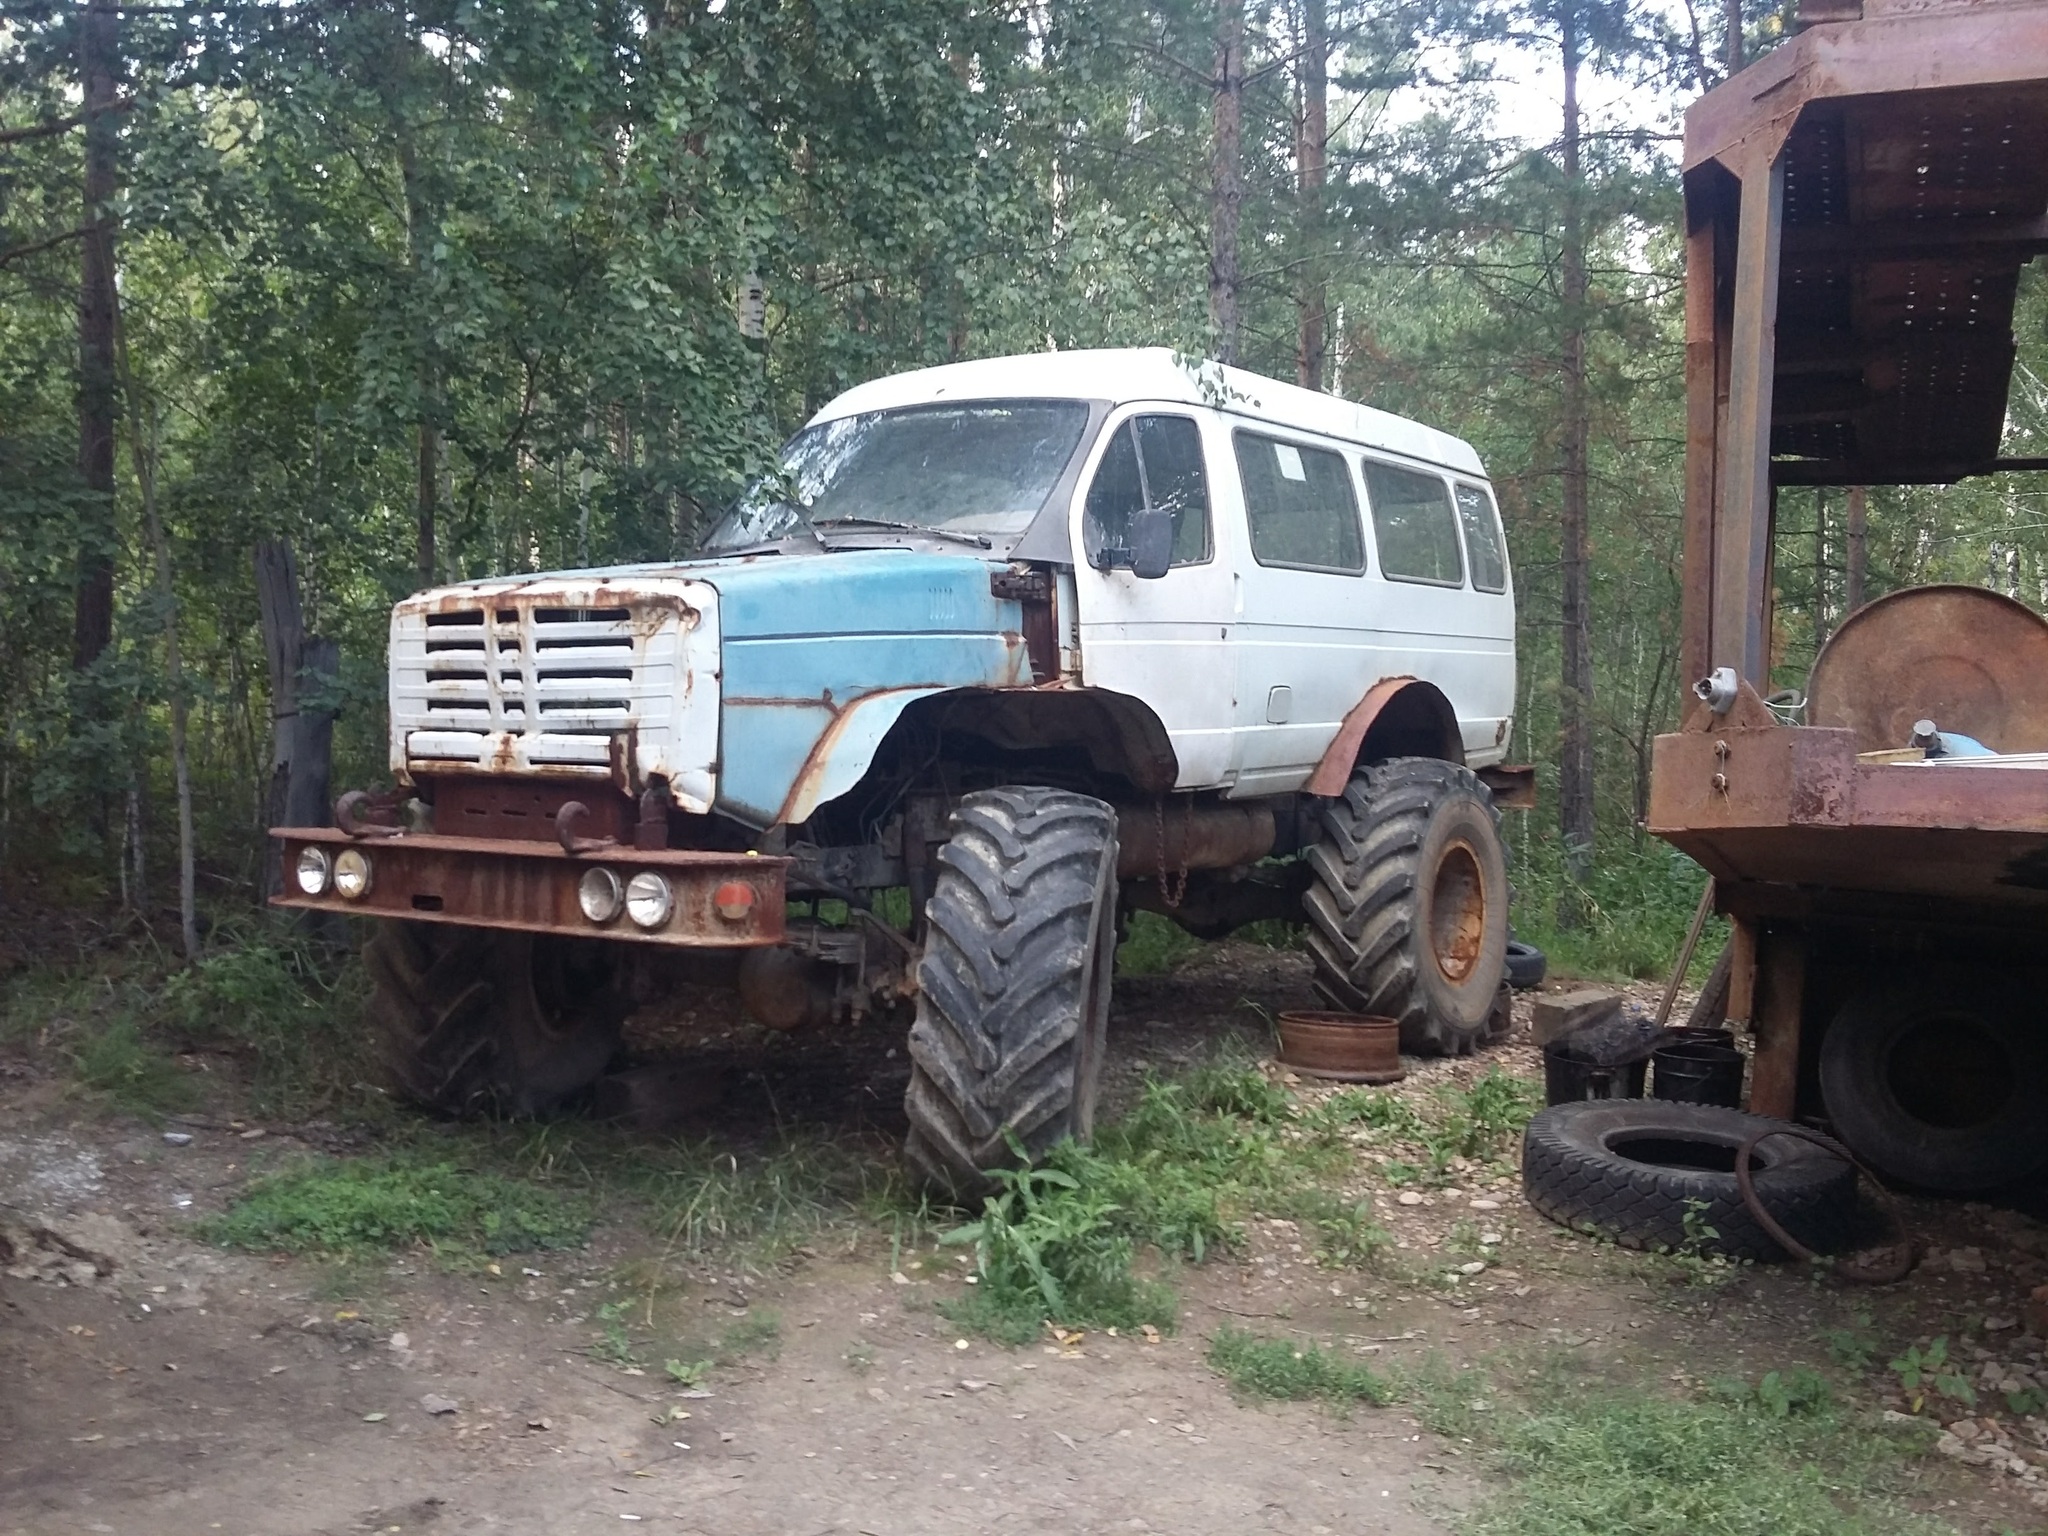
(519, 687)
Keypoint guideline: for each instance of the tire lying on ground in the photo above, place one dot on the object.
(1633, 1170)
(1939, 1087)
(1527, 965)
(1013, 985)
(473, 1021)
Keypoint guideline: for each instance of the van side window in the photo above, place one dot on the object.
(1417, 531)
(1157, 461)
(1300, 505)
(1482, 539)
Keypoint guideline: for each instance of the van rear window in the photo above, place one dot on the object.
(1413, 521)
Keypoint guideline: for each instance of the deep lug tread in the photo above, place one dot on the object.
(1013, 982)
(1366, 931)
(461, 1027)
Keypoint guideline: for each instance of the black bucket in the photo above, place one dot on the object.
(1724, 1037)
(1575, 1068)
(1693, 1072)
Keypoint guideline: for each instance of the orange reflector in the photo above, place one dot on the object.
(734, 901)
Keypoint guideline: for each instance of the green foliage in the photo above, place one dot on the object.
(1853, 1348)
(290, 1012)
(1047, 1248)
(1637, 903)
(1920, 1369)
(396, 1203)
(1596, 1463)
(1486, 1120)
(1262, 1367)
(1795, 1393)
(122, 1061)
(1154, 946)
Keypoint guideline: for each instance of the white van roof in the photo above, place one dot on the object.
(1126, 374)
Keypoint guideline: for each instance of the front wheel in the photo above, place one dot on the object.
(471, 1020)
(1013, 985)
(1408, 914)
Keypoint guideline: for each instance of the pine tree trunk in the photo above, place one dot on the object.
(1575, 773)
(99, 39)
(1855, 550)
(1226, 178)
(1311, 160)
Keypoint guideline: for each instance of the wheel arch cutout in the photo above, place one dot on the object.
(1398, 717)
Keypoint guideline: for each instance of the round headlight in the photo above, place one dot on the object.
(314, 868)
(600, 895)
(351, 873)
(649, 899)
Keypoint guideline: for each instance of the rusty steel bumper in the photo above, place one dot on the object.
(721, 900)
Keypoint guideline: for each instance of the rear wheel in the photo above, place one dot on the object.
(472, 1021)
(1940, 1086)
(1408, 915)
(1013, 985)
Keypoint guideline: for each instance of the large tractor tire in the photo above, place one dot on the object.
(1013, 985)
(1408, 914)
(472, 1021)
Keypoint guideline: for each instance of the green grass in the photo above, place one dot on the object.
(1176, 1177)
(115, 1056)
(1611, 1463)
(1637, 903)
(395, 1202)
(1279, 1368)
(1048, 1247)
(1154, 946)
(282, 1011)
(287, 1011)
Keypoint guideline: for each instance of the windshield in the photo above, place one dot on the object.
(975, 468)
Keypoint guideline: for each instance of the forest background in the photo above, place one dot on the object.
(422, 293)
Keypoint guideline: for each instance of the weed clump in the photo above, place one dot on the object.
(1778, 1458)
(1049, 1246)
(352, 1208)
(1261, 1367)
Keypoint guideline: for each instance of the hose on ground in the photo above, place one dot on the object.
(1889, 1262)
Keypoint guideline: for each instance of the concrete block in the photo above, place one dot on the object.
(1556, 1012)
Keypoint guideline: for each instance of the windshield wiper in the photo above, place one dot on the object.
(957, 537)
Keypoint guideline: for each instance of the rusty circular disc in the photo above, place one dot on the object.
(1457, 912)
(1343, 1047)
(1969, 659)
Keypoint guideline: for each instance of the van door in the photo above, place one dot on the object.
(1306, 647)
(1165, 641)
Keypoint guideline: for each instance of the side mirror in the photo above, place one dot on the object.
(1151, 543)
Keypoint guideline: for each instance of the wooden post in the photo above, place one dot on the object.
(1702, 370)
(1741, 970)
(1780, 997)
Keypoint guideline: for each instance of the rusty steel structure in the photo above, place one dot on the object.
(1859, 203)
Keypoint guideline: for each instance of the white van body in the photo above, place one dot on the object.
(1251, 662)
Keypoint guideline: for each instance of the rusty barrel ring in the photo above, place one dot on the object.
(1342, 1047)
(1890, 1274)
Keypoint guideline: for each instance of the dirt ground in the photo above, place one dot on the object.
(152, 1384)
